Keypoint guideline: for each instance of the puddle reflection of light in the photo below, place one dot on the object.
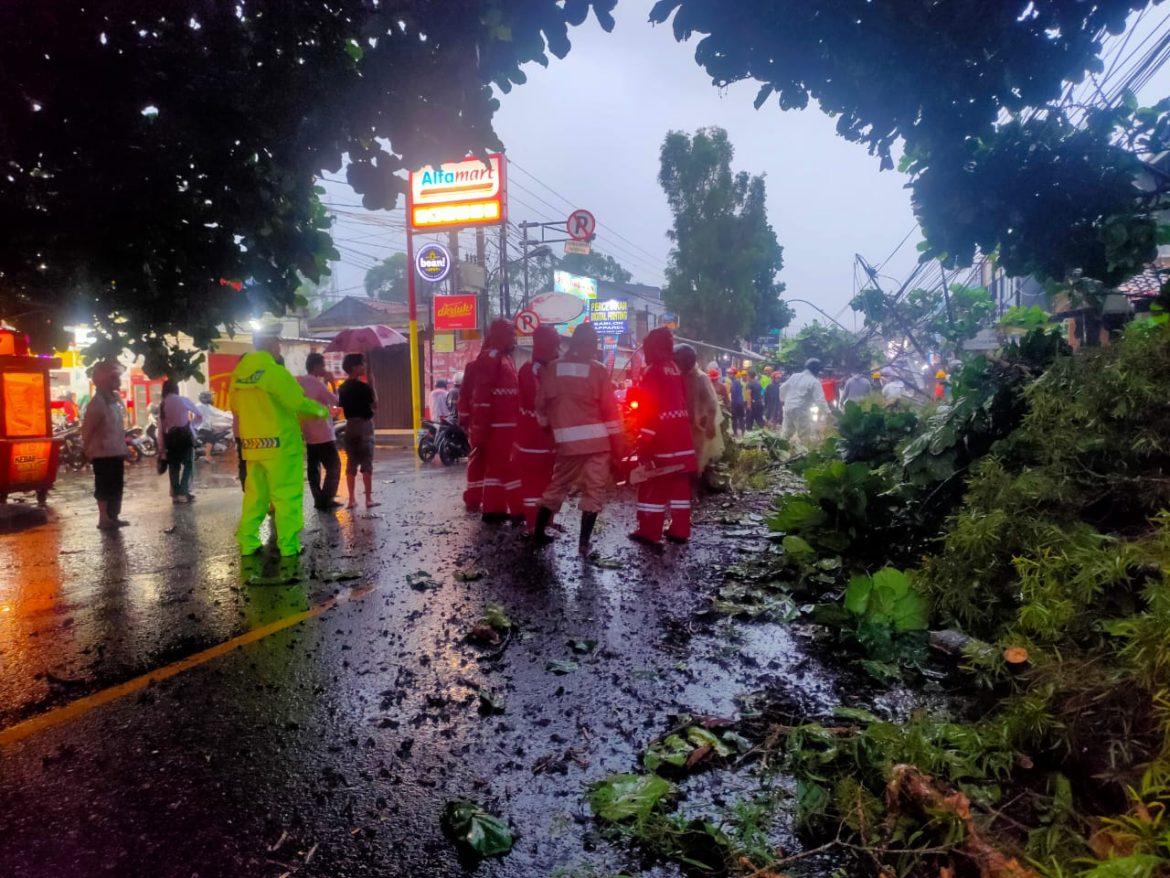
(148, 587)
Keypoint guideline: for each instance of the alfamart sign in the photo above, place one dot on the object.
(456, 194)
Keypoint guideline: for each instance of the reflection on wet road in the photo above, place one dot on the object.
(329, 747)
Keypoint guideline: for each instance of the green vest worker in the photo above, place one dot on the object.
(268, 403)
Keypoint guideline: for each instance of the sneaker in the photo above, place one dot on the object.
(121, 522)
(108, 525)
(179, 500)
(190, 498)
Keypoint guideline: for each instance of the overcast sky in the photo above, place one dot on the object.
(589, 129)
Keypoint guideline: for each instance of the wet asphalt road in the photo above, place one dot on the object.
(330, 747)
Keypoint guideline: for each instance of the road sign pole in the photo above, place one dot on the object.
(505, 291)
(412, 298)
(524, 256)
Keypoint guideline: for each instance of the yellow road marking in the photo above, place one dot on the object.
(82, 706)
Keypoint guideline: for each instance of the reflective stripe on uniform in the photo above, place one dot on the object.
(581, 432)
(674, 453)
(257, 444)
(509, 424)
(534, 450)
(572, 370)
(613, 427)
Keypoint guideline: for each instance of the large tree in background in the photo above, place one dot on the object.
(148, 149)
(972, 92)
(597, 265)
(721, 277)
(389, 279)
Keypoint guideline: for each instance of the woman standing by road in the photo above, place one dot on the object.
(359, 402)
(178, 418)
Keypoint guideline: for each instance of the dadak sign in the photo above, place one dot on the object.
(457, 194)
(456, 312)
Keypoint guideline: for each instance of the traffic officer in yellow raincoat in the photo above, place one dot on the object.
(268, 403)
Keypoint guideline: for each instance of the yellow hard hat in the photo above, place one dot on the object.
(876, 376)
(940, 375)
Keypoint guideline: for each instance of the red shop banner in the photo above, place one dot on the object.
(456, 312)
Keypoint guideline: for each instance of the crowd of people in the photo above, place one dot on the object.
(283, 430)
(553, 426)
(538, 433)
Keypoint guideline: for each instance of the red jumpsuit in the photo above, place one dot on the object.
(495, 414)
(473, 494)
(664, 440)
(534, 453)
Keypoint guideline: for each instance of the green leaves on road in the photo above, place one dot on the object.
(421, 580)
(621, 797)
(474, 831)
(560, 667)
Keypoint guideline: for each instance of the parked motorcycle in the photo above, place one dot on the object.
(445, 439)
(139, 445)
(72, 454)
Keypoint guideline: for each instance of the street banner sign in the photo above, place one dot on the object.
(609, 349)
(526, 322)
(610, 317)
(581, 225)
(444, 343)
(581, 248)
(574, 284)
(458, 194)
(456, 312)
(433, 262)
(556, 307)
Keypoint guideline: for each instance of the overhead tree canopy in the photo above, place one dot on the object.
(148, 150)
(942, 78)
(721, 276)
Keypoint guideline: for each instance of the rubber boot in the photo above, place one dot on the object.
(588, 520)
(544, 517)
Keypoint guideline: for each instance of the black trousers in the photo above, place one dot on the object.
(109, 474)
(738, 417)
(756, 416)
(323, 455)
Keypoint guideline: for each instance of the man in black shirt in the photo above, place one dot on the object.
(358, 401)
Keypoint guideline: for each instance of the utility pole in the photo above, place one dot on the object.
(481, 258)
(524, 256)
(871, 272)
(505, 293)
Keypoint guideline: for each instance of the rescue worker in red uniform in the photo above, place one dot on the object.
(576, 400)
(494, 416)
(473, 493)
(534, 453)
(664, 441)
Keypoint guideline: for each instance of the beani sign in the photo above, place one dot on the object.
(455, 194)
(433, 262)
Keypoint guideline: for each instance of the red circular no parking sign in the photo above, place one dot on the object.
(581, 225)
(526, 322)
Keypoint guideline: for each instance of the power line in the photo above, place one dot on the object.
(573, 206)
